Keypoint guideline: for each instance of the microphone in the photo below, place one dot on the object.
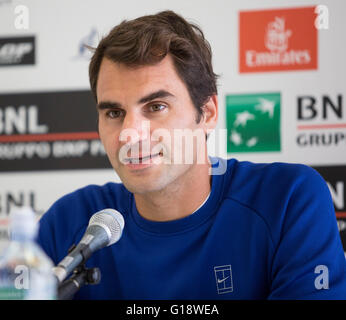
(104, 229)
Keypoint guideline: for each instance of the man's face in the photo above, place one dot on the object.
(130, 100)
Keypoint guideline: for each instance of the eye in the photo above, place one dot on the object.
(114, 114)
(157, 107)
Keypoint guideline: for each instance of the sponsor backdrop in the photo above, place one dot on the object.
(282, 90)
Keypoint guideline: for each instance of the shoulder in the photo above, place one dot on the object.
(247, 180)
(270, 171)
(66, 220)
(278, 192)
(87, 200)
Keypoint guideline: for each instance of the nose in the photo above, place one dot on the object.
(135, 128)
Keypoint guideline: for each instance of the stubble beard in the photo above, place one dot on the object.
(165, 180)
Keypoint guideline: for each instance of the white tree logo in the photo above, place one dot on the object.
(276, 37)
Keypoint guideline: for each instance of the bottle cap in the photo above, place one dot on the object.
(23, 224)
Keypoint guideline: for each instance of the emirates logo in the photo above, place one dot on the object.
(275, 40)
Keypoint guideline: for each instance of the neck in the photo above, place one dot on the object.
(179, 199)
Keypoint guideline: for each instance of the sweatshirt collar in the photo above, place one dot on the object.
(201, 215)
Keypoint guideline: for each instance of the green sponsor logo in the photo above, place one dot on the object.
(253, 122)
(11, 293)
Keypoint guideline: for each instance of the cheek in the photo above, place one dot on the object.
(110, 141)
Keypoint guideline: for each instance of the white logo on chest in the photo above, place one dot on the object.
(223, 277)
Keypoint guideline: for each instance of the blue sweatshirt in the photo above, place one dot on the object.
(267, 231)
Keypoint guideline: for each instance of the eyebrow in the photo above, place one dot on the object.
(151, 96)
(155, 95)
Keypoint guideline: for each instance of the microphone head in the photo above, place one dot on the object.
(111, 221)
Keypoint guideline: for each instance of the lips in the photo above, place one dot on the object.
(140, 160)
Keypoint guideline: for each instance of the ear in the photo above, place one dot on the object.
(210, 113)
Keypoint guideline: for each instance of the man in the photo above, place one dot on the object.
(257, 231)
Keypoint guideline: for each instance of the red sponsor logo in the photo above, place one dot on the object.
(276, 40)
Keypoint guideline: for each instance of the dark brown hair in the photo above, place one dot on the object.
(148, 39)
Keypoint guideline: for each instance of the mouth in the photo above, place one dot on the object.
(142, 160)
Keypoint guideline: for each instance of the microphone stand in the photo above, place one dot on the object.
(81, 276)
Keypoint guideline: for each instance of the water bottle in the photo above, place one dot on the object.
(25, 270)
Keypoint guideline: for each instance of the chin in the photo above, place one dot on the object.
(142, 188)
(154, 182)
